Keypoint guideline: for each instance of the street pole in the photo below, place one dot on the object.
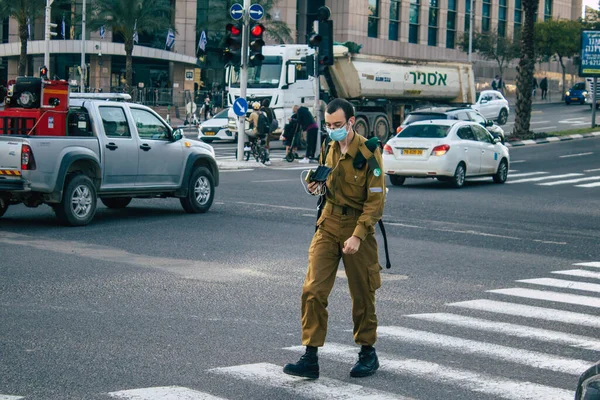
(82, 81)
(594, 99)
(317, 105)
(243, 80)
(47, 36)
(472, 18)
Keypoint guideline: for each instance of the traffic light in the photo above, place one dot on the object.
(326, 36)
(232, 53)
(256, 57)
(44, 72)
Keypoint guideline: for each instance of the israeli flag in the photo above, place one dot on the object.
(102, 31)
(62, 29)
(170, 39)
(202, 42)
(136, 38)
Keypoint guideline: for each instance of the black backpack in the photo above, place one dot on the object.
(263, 125)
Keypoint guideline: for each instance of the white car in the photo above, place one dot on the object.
(216, 128)
(448, 150)
(492, 105)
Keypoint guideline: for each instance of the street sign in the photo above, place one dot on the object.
(240, 107)
(589, 64)
(256, 12)
(236, 11)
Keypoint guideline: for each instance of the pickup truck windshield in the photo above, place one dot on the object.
(266, 75)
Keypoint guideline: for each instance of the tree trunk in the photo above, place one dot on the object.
(525, 71)
(23, 35)
(128, 64)
(564, 77)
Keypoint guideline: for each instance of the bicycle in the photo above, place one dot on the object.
(256, 149)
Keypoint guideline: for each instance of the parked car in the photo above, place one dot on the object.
(216, 128)
(448, 150)
(492, 105)
(576, 94)
(461, 113)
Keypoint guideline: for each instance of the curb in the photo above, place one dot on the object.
(552, 139)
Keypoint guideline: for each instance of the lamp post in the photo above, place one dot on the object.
(472, 19)
(82, 77)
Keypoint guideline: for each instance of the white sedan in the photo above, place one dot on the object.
(216, 128)
(448, 150)
(492, 105)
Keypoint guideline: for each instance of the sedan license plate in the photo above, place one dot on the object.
(574, 99)
(412, 152)
(209, 133)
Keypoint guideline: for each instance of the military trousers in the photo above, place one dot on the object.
(363, 273)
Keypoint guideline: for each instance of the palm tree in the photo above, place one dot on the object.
(22, 10)
(525, 70)
(126, 17)
(276, 29)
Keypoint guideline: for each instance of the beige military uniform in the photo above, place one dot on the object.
(355, 200)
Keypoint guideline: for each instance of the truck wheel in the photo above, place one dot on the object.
(116, 202)
(502, 117)
(382, 128)
(397, 180)
(78, 205)
(201, 192)
(3, 205)
(361, 127)
(458, 180)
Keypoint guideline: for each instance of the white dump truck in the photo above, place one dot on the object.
(381, 89)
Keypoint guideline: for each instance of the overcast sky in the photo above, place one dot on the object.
(591, 3)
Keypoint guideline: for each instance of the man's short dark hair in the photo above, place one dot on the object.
(266, 102)
(345, 105)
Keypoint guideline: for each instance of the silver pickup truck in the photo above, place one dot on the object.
(113, 151)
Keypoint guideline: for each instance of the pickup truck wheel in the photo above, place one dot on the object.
(3, 206)
(116, 202)
(201, 192)
(397, 180)
(78, 205)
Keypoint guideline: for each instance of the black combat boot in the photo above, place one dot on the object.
(307, 366)
(367, 363)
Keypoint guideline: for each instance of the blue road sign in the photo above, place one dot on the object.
(240, 107)
(256, 11)
(236, 11)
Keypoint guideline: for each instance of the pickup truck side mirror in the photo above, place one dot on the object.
(588, 387)
(177, 135)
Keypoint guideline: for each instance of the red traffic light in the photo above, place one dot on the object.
(257, 30)
(233, 29)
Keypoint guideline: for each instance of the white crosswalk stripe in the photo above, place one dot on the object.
(589, 264)
(544, 178)
(432, 372)
(271, 375)
(7, 397)
(582, 273)
(500, 352)
(163, 393)
(550, 296)
(524, 174)
(561, 283)
(570, 181)
(522, 331)
(589, 185)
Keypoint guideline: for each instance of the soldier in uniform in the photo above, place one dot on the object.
(345, 230)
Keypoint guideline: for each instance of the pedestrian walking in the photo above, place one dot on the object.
(544, 88)
(495, 82)
(354, 195)
(291, 136)
(207, 108)
(309, 125)
(272, 125)
(534, 85)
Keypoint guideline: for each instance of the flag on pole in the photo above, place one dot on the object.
(136, 38)
(28, 28)
(170, 39)
(202, 42)
(102, 31)
(63, 29)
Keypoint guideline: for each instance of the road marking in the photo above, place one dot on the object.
(271, 375)
(274, 206)
(527, 174)
(593, 264)
(576, 155)
(274, 180)
(236, 170)
(544, 178)
(443, 374)
(517, 162)
(561, 283)
(543, 127)
(7, 397)
(550, 296)
(465, 346)
(163, 393)
(579, 272)
(525, 311)
(591, 170)
(589, 178)
(521, 331)
(589, 185)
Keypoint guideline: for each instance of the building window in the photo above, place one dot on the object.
(373, 17)
(467, 15)
(547, 10)
(413, 29)
(394, 19)
(518, 18)
(502, 18)
(451, 25)
(433, 23)
(486, 15)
